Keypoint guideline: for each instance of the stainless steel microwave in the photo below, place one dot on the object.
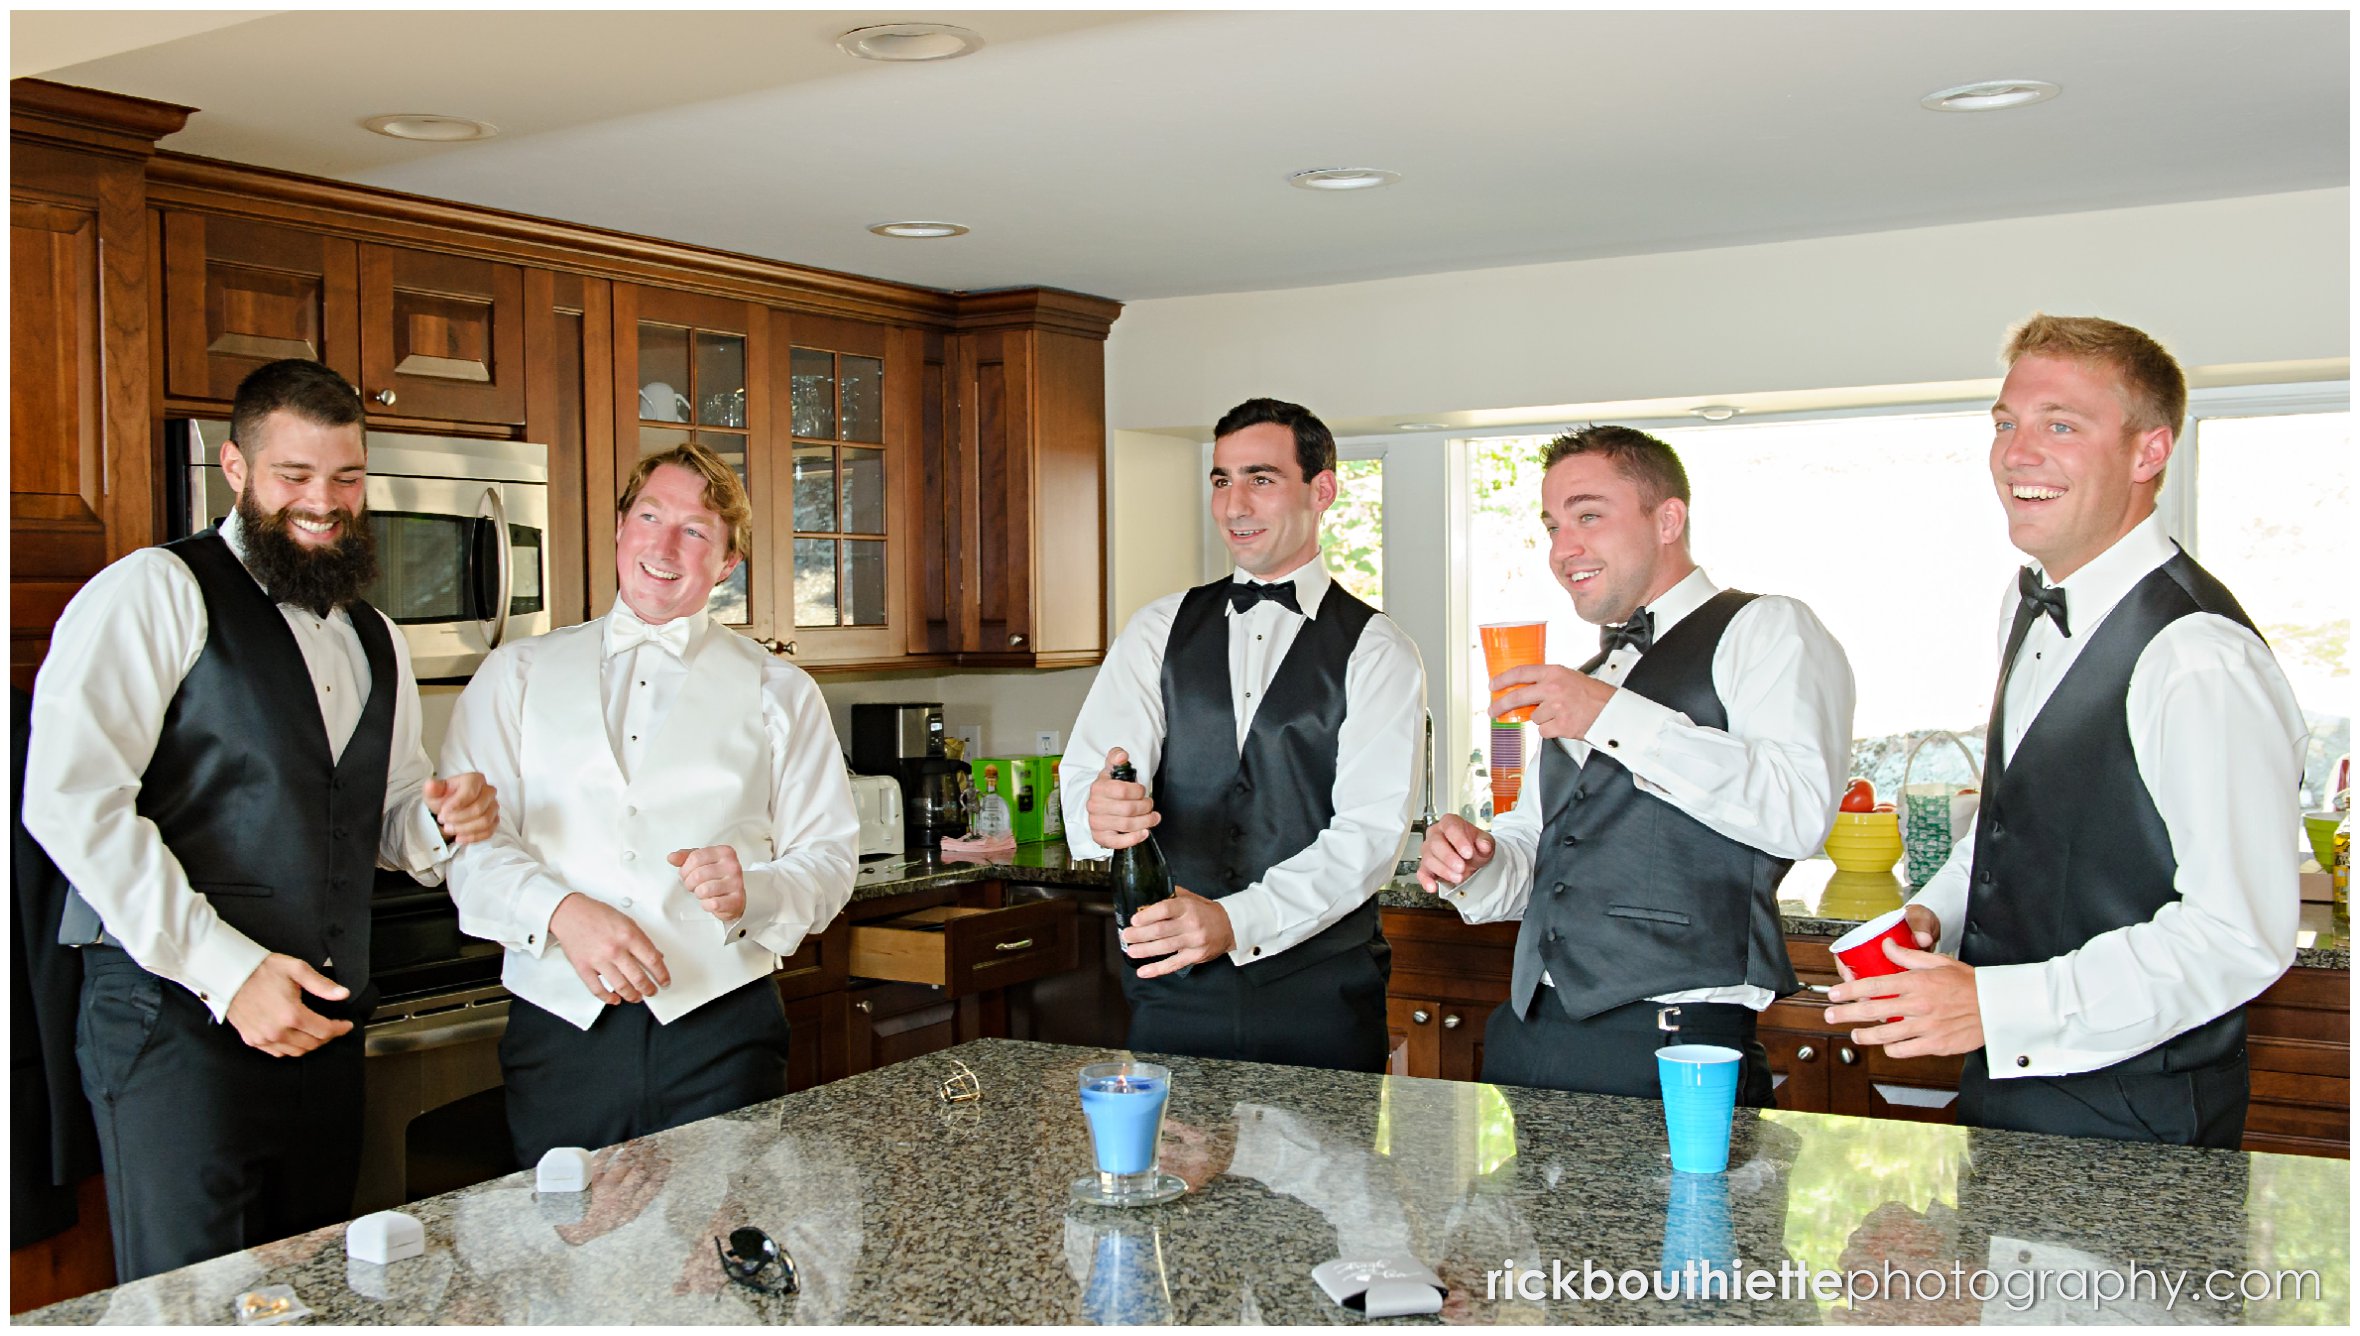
(462, 535)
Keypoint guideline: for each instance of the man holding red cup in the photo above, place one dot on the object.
(1691, 762)
(2129, 884)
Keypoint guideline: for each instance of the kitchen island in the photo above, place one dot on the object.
(899, 1208)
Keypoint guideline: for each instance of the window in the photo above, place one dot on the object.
(1353, 535)
(2273, 514)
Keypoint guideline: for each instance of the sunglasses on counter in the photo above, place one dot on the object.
(753, 1260)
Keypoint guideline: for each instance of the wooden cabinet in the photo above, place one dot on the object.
(1016, 481)
(424, 335)
(933, 968)
(2298, 1041)
(843, 502)
(81, 434)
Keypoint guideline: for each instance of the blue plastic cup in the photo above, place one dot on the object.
(1699, 1100)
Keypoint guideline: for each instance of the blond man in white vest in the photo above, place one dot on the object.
(681, 820)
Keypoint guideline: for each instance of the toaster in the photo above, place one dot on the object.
(877, 800)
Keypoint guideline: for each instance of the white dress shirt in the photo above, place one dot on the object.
(1376, 755)
(2218, 740)
(507, 895)
(116, 659)
(1771, 781)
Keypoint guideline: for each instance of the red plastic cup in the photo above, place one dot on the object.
(1863, 949)
(1513, 645)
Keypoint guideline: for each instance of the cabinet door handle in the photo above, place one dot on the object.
(1015, 641)
(864, 1005)
(1025, 945)
(385, 397)
(1420, 1016)
(1806, 1053)
(1847, 1056)
(1450, 1022)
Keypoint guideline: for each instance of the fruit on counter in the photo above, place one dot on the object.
(1859, 796)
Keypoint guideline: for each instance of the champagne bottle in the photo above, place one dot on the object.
(1140, 874)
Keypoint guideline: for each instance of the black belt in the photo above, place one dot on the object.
(1713, 1017)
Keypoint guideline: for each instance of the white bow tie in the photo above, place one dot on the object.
(628, 633)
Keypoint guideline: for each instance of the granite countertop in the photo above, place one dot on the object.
(897, 1208)
(1815, 901)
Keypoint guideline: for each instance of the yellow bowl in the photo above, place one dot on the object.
(2320, 826)
(1865, 841)
(1861, 895)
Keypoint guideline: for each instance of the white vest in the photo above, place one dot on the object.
(704, 779)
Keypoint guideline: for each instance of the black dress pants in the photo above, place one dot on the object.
(1613, 1052)
(2202, 1107)
(627, 1075)
(1328, 1014)
(209, 1146)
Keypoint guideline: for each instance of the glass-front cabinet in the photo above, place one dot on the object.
(846, 385)
(682, 364)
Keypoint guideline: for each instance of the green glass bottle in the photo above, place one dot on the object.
(1141, 876)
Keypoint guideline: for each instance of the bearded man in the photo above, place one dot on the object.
(225, 743)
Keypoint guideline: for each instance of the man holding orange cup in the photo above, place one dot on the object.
(1686, 767)
(1509, 645)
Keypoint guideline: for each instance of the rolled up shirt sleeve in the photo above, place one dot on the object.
(116, 657)
(410, 839)
(1374, 797)
(814, 828)
(2218, 741)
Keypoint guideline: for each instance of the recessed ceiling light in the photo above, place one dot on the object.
(909, 41)
(430, 127)
(1420, 426)
(917, 229)
(1342, 178)
(1715, 412)
(1990, 95)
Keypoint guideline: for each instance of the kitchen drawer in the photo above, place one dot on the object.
(963, 951)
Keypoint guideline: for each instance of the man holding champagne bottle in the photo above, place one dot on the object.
(1278, 718)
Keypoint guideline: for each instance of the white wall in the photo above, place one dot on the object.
(2259, 279)
(1156, 500)
(1009, 705)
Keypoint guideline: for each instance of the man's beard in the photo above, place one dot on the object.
(319, 580)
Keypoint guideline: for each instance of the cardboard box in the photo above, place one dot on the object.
(1049, 803)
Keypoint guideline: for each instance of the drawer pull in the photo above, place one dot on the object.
(864, 1005)
(1421, 1016)
(1450, 1022)
(1806, 1053)
(1848, 1056)
(1024, 945)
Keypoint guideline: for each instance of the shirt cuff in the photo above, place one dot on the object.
(1253, 924)
(536, 904)
(218, 965)
(1627, 725)
(764, 898)
(415, 845)
(2018, 1024)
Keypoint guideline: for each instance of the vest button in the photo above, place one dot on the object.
(1244, 787)
(626, 902)
(1237, 832)
(1552, 934)
(630, 855)
(1983, 878)
(1580, 793)
(1558, 889)
(1570, 841)
(2023, 1061)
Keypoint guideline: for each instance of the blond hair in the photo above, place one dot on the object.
(2154, 390)
(724, 494)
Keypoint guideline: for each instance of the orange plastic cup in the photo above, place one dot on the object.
(1512, 645)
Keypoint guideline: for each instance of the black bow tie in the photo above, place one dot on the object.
(2040, 598)
(1638, 633)
(1244, 594)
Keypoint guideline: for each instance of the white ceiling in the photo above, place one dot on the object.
(1138, 155)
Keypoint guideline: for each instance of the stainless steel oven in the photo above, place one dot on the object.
(462, 531)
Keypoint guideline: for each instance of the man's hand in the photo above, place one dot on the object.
(1564, 703)
(1185, 929)
(606, 948)
(466, 807)
(1120, 812)
(1934, 996)
(713, 876)
(1454, 851)
(269, 1012)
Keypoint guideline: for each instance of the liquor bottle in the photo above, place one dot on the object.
(1139, 873)
(992, 819)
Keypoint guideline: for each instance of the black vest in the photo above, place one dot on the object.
(279, 837)
(2068, 843)
(1632, 897)
(1229, 814)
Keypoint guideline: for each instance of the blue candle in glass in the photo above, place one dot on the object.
(1124, 1104)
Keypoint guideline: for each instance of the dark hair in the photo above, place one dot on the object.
(1315, 446)
(1646, 462)
(295, 385)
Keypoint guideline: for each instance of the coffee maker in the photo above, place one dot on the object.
(904, 739)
